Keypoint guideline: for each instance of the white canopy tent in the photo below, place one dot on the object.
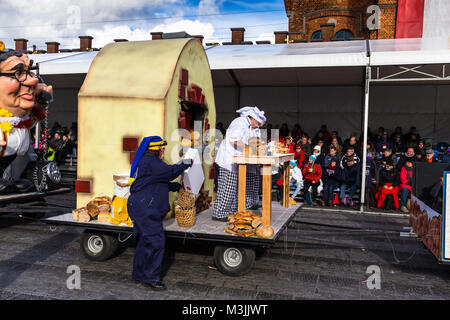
(312, 83)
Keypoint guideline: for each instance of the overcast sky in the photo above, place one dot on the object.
(64, 20)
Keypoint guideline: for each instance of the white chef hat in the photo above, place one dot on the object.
(253, 112)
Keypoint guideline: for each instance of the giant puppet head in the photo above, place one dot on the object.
(19, 86)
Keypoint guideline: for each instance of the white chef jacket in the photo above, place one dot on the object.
(239, 129)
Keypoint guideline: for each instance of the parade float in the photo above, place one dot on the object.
(137, 89)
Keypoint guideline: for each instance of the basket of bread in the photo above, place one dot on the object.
(248, 224)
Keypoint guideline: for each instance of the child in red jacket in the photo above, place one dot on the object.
(312, 173)
(299, 155)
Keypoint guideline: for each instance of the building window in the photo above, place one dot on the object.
(316, 35)
(344, 34)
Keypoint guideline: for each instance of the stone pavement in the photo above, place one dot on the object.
(321, 255)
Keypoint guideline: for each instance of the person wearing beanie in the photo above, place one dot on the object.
(147, 206)
(320, 157)
(312, 173)
(429, 156)
(296, 181)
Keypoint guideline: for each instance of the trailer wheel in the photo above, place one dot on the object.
(234, 261)
(98, 246)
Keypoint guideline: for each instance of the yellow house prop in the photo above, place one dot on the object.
(139, 89)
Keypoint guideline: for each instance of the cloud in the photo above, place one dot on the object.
(64, 20)
(266, 36)
(109, 33)
(105, 20)
(206, 7)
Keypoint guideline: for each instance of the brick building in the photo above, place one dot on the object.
(334, 20)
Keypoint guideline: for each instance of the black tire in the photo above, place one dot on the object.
(234, 261)
(98, 246)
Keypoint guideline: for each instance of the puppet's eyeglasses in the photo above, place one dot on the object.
(22, 75)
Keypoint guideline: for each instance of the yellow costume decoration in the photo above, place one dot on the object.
(119, 211)
(6, 126)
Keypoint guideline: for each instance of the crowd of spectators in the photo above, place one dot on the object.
(328, 163)
(61, 142)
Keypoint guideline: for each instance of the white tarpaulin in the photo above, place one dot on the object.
(409, 51)
(293, 55)
(64, 63)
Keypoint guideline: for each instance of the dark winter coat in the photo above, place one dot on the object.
(351, 175)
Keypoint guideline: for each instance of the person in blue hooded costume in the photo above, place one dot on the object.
(147, 206)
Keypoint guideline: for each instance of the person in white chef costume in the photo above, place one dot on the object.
(241, 129)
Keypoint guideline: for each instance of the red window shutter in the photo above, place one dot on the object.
(184, 77)
(130, 144)
(83, 186)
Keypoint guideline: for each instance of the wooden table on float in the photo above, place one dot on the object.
(266, 162)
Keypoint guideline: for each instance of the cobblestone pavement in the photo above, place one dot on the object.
(321, 255)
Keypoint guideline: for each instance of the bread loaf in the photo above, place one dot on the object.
(103, 216)
(92, 210)
(264, 232)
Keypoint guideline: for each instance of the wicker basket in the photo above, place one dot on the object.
(185, 217)
(185, 199)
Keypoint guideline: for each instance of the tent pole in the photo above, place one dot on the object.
(366, 125)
